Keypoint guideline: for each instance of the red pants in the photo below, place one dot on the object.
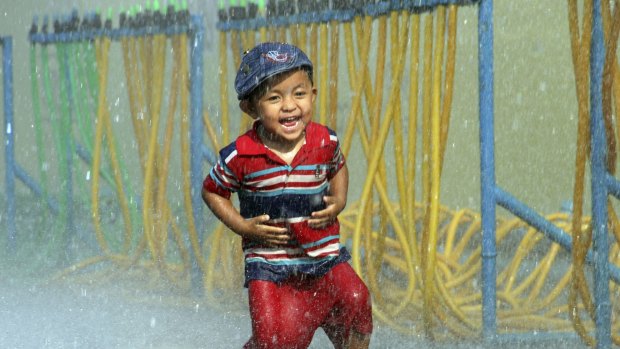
(286, 315)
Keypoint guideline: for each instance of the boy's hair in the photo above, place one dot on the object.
(265, 61)
(264, 86)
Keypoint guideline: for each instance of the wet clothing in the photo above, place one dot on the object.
(288, 194)
(295, 289)
(286, 315)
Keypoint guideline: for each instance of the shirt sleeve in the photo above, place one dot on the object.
(338, 159)
(221, 180)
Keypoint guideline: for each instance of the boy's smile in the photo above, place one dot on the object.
(285, 110)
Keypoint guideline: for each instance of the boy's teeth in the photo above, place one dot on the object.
(288, 120)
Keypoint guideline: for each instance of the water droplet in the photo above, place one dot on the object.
(542, 86)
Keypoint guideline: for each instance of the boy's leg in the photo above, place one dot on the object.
(358, 340)
(349, 324)
(279, 315)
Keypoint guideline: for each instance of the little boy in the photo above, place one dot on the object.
(292, 182)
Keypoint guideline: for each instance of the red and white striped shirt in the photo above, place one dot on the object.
(288, 194)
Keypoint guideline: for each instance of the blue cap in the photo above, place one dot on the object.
(264, 61)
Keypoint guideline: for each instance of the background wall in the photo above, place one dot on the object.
(536, 111)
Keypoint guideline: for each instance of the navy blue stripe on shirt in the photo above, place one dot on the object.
(260, 270)
(283, 205)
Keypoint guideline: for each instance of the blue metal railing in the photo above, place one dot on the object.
(9, 146)
(196, 142)
(238, 18)
(600, 192)
(487, 167)
(602, 184)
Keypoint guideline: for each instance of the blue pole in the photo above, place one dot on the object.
(600, 244)
(552, 231)
(487, 168)
(9, 149)
(196, 131)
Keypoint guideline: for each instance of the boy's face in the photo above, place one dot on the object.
(286, 107)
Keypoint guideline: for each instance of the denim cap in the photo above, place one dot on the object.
(264, 61)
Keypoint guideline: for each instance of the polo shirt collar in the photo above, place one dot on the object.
(251, 144)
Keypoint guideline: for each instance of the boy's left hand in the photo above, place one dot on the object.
(328, 215)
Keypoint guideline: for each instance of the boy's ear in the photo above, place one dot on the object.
(248, 108)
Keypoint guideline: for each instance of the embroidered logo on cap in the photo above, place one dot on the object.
(276, 56)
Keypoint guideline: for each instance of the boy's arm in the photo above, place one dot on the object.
(335, 202)
(252, 228)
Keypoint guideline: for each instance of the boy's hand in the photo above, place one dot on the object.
(256, 229)
(328, 215)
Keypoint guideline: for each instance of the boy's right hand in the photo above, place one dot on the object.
(257, 229)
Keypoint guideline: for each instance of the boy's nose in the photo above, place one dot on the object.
(288, 104)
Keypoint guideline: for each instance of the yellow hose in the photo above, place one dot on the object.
(139, 118)
(281, 32)
(334, 47)
(374, 164)
(399, 161)
(210, 263)
(146, 63)
(131, 77)
(360, 24)
(151, 175)
(120, 192)
(161, 192)
(448, 92)
(426, 108)
(433, 221)
(379, 78)
(375, 118)
(206, 121)
(374, 261)
(323, 73)
(313, 47)
(612, 30)
(580, 49)
(358, 95)
(248, 42)
(293, 31)
(102, 46)
(236, 49)
(412, 139)
(223, 77)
